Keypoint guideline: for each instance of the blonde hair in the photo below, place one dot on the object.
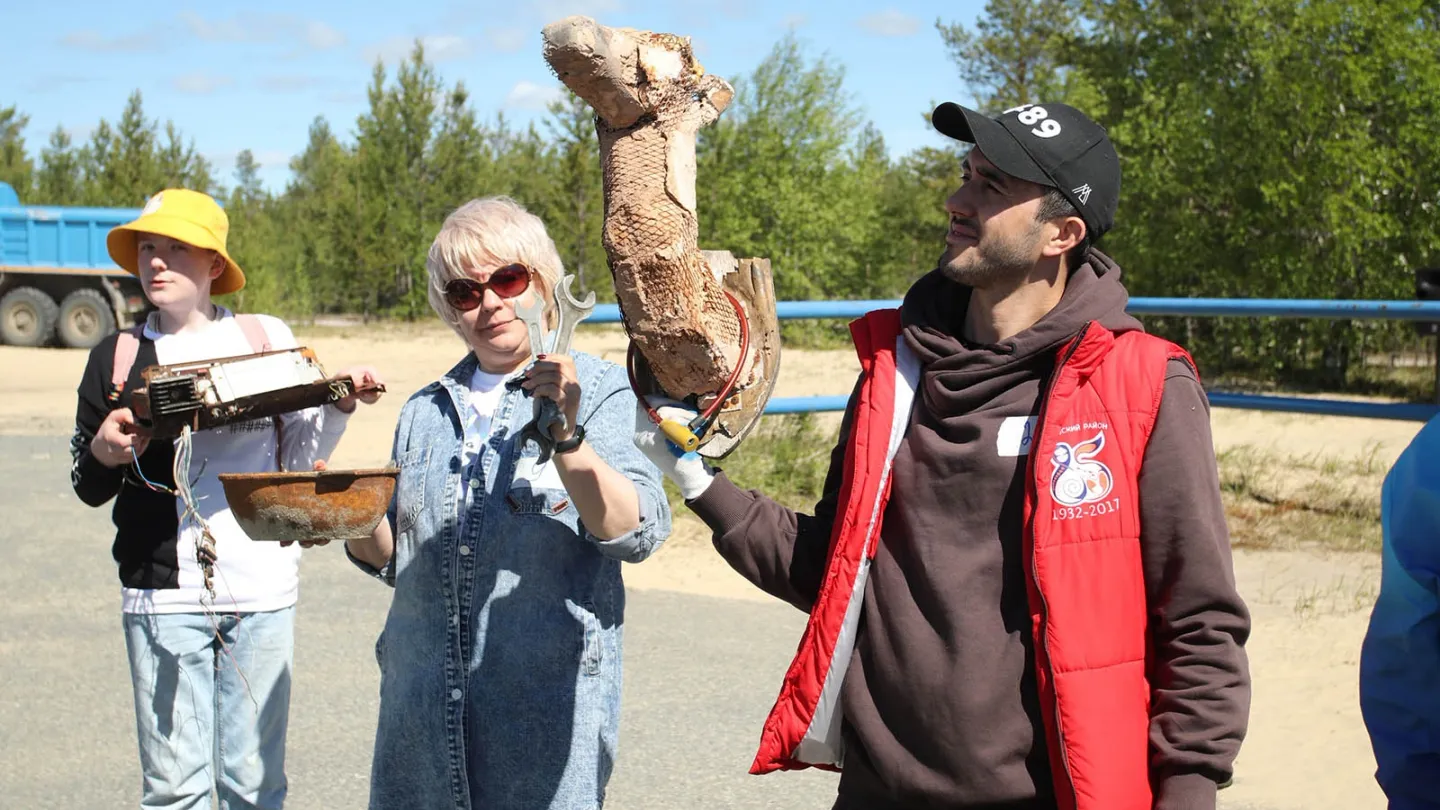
(491, 232)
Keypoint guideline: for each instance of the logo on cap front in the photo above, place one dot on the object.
(1082, 193)
(153, 204)
(1032, 114)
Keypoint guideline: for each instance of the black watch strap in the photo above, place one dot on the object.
(572, 442)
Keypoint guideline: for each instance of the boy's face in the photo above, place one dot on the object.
(176, 275)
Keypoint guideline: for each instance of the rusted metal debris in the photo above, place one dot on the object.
(319, 505)
(212, 393)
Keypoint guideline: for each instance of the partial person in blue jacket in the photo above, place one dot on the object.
(1400, 661)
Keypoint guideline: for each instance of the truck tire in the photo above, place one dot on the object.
(27, 317)
(85, 319)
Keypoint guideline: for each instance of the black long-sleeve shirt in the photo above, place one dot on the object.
(145, 519)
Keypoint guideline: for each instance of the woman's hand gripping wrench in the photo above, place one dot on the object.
(571, 311)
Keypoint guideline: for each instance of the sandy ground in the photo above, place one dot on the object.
(1307, 746)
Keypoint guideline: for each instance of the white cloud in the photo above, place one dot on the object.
(702, 14)
(507, 40)
(80, 134)
(54, 82)
(795, 21)
(200, 83)
(344, 97)
(438, 48)
(322, 37)
(527, 95)
(272, 158)
(890, 23)
(91, 40)
(290, 83)
(224, 162)
(251, 27)
(556, 9)
(445, 47)
(246, 28)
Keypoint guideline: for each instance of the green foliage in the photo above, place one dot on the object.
(574, 206)
(1016, 53)
(787, 173)
(15, 165)
(59, 177)
(786, 457)
(1270, 149)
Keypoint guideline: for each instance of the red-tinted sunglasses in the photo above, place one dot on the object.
(465, 294)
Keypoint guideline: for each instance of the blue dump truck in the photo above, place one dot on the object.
(57, 283)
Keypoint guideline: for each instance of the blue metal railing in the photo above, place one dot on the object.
(1235, 307)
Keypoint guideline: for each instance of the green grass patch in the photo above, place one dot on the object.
(1272, 501)
(785, 457)
(1285, 502)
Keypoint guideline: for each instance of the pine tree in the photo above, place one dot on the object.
(15, 165)
(59, 181)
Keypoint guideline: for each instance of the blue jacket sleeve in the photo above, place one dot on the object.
(610, 429)
(1400, 659)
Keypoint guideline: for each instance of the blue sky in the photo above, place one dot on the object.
(254, 75)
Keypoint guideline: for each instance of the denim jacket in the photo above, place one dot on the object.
(500, 656)
(1400, 659)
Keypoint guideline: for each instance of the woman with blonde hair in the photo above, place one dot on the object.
(500, 657)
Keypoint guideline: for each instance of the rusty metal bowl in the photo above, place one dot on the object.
(318, 505)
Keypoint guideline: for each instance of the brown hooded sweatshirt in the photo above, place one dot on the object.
(940, 703)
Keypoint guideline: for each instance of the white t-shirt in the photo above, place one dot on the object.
(486, 390)
(250, 576)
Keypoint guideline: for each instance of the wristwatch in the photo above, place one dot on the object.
(572, 442)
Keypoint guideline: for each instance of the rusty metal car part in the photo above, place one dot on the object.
(319, 505)
(212, 393)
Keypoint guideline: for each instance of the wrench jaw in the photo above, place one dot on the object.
(533, 314)
(570, 312)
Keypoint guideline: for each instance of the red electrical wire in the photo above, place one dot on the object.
(704, 420)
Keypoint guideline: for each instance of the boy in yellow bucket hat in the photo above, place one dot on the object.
(186, 216)
(209, 673)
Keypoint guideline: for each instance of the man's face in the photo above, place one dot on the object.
(994, 237)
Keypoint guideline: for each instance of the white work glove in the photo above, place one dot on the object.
(687, 470)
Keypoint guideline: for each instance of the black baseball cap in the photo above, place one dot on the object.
(1053, 145)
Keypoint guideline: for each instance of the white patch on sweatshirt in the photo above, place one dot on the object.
(1015, 435)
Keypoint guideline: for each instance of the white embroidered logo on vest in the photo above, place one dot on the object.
(1078, 477)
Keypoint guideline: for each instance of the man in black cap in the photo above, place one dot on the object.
(1019, 577)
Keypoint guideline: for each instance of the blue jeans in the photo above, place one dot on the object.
(212, 700)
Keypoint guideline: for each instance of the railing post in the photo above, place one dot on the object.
(1427, 288)
(1437, 369)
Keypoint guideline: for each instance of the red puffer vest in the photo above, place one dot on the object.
(1082, 553)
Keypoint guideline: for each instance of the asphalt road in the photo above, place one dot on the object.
(700, 673)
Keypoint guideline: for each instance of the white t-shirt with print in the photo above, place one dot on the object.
(250, 576)
(486, 390)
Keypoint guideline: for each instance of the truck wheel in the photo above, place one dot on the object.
(27, 317)
(85, 319)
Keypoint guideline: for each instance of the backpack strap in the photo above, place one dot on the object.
(254, 332)
(127, 347)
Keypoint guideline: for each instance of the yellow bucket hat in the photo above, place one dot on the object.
(184, 215)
